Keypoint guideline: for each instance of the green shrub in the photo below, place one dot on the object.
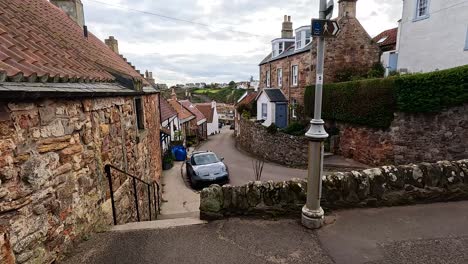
(366, 102)
(295, 129)
(432, 92)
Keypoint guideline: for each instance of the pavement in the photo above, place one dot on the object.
(429, 234)
(179, 200)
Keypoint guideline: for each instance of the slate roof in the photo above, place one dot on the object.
(275, 95)
(183, 113)
(40, 43)
(167, 111)
(391, 39)
(207, 111)
(288, 52)
(188, 105)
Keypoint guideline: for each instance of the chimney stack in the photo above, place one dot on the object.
(113, 44)
(73, 8)
(149, 77)
(287, 30)
(173, 95)
(347, 8)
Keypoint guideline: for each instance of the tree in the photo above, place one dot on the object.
(232, 84)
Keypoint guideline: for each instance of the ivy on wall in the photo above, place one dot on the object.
(374, 102)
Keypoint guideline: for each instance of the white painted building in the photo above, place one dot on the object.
(433, 35)
(212, 117)
(272, 107)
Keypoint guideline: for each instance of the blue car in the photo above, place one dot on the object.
(205, 168)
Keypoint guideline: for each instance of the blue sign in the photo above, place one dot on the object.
(325, 28)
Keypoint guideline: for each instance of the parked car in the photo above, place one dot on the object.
(232, 127)
(204, 167)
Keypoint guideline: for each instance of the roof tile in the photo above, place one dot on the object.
(39, 39)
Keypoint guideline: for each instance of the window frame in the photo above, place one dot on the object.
(139, 113)
(466, 39)
(417, 16)
(279, 79)
(295, 75)
(268, 79)
(294, 104)
(264, 111)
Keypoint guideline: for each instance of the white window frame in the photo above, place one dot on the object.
(295, 75)
(280, 77)
(294, 104)
(299, 40)
(268, 79)
(466, 40)
(264, 111)
(418, 15)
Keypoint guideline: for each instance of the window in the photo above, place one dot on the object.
(308, 36)
(295, 75)
(293, 107)
(422, 8)
(280, 77)
(280, 48)
(268, 79)
(139, 113)
(382, 39)
(466, 40)
(299, 40)
(264, 111)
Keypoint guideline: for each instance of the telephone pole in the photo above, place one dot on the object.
(312, 212)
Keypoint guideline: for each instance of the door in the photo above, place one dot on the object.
(281, 119)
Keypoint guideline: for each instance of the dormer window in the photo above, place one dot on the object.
(280, 45)
(303, 37)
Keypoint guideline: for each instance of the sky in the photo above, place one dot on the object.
(226, 41)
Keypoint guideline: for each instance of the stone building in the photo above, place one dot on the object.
(291, 64)
(69, 105)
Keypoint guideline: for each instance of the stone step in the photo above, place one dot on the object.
(158, 224)
(179, 215)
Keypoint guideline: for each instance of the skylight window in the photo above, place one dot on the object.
(382, 39)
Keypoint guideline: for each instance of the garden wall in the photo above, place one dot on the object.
(280, 148)
(53, 189)
(386, 186)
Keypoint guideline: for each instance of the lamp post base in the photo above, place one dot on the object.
(312, 219)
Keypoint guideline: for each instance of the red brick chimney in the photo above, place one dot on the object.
(347, 8)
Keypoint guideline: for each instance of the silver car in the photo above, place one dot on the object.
(204, 168)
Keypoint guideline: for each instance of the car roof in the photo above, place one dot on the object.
(202, 152)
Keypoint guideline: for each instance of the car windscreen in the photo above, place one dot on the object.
(205, 159)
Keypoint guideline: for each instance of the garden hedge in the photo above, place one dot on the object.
(373, 102)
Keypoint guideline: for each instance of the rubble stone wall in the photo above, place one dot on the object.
(411, 138)
(385, 186)
(53, 188)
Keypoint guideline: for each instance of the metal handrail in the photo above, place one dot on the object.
(155, 186)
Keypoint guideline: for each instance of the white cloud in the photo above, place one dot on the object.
(179, 52)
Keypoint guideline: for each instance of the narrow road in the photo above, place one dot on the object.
(240, 163)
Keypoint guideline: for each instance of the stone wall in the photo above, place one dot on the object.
(385, 186)
(280, 148)
(410, 138)
(53, 189)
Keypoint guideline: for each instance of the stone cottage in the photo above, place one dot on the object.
(291, 64)
(69, 105)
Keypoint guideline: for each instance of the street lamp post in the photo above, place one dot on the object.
(312, 212)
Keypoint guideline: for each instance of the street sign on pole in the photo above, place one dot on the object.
(329, 11)
(325, 28)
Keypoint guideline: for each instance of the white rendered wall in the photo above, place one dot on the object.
(436, 42)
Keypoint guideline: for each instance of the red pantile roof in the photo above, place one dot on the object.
(249, 98)
(388, 39)
(188, 105)
(207, 111)
(37, 39)
(167, 111)
(182, 112)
